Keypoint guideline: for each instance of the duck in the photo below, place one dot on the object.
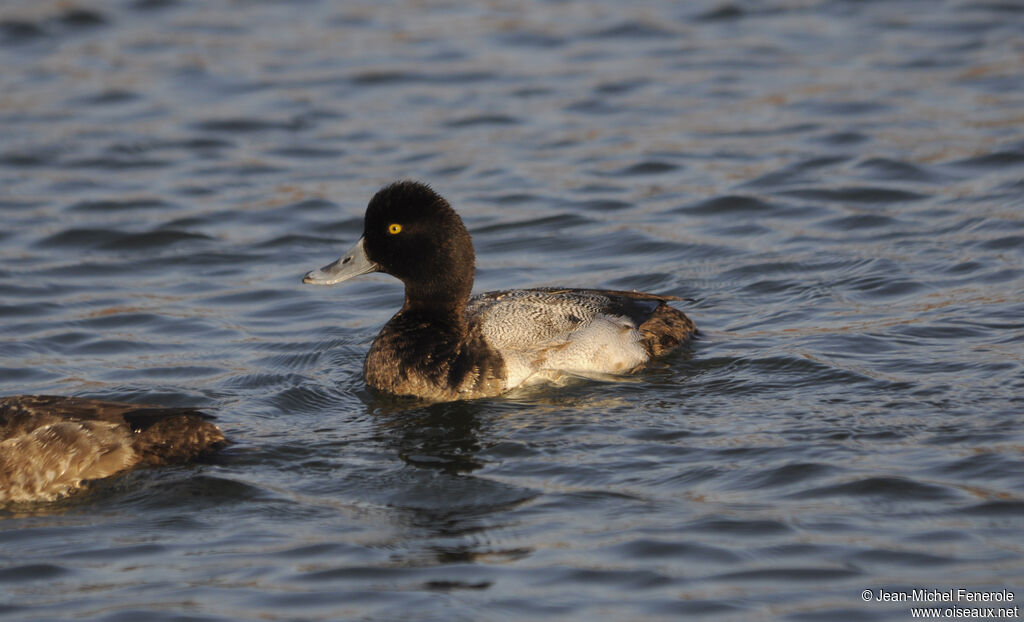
(445, 344)
(51, 446)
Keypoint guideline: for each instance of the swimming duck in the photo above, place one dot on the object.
(444, 345)
(51, 445)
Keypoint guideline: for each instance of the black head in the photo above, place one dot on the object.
(412, 233)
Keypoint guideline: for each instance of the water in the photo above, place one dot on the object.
(836, 185)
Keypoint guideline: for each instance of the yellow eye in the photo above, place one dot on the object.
(394, 228)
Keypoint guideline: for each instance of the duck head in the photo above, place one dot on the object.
(413, 234)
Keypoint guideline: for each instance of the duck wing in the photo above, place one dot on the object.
(587, 331)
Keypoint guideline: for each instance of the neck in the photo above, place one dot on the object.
(445, 304)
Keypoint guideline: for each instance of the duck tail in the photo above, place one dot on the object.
(666, 329)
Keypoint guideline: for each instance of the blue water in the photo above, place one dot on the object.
(837, 186)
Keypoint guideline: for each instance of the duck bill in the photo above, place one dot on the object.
(352, 264)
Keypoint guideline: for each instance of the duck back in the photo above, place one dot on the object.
(50, 445)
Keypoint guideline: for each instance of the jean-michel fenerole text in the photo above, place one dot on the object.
(952, 595)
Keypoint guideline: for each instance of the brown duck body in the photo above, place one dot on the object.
(50, 445)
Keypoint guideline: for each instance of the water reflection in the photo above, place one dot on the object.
(441, 436)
